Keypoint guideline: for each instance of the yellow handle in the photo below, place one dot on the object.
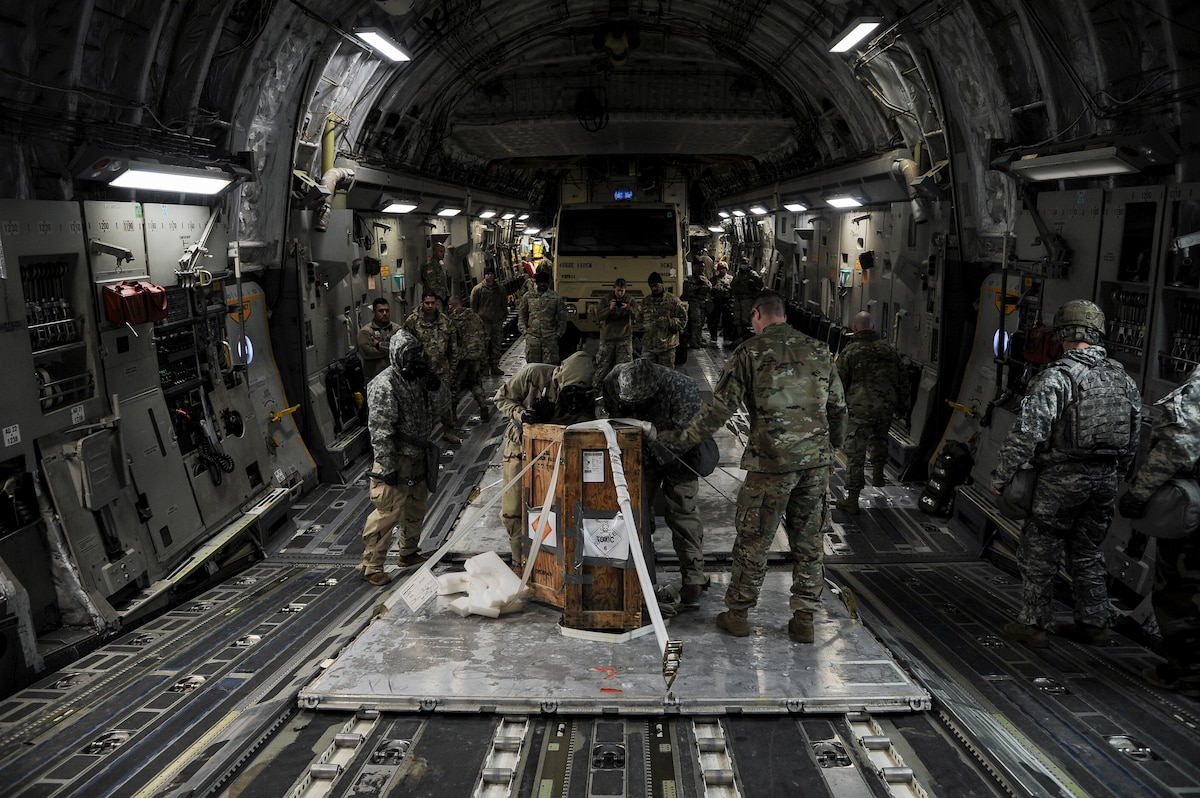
(274, 417)
(970, 411)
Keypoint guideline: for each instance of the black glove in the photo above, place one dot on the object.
(432, 381)
(530, 416)
(1130, 507)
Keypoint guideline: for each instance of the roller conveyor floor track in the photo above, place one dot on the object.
(206, 699)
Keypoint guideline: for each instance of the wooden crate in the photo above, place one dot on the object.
(591, 595)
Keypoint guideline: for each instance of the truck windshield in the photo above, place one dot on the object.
(651, 232)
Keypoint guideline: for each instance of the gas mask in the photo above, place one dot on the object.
(413, 365)
(574, 399)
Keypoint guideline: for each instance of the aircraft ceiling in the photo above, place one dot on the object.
(504, 95)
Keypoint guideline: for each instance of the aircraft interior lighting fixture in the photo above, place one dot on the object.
(163, 177)
(507, 215)
(724, 214)
(758, 209)
(858, 29)
(487, 213)
(795, 206)
(738, 212)
(448, 209)
(716, 228)
(383, 44)
(522, 217)
(1095, 162)
(398, 204)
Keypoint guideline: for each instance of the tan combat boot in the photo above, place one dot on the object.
(735, 622)
(800, 627)
(850, 503)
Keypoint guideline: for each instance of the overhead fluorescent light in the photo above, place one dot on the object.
(843, 201)
(508, 215)
(383, 44)
(162, 177)
(448, 209)
(738, 212)
(758, 209)
(1084, 163)
(724, 214)
(716, 228)
(487, 214)
(858, 29)
(523, 217)
(532, 231)
(795, 206)
(398, 204)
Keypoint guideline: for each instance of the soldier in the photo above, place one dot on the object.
(696, 292)
(373, 338)
(615, 317)
(720, 318)
(743, 288)
(667, 399)
(542, 320)
(1079, 427)
(404, 400)
(434, 276)
(663, 317)
(469, 342)
(490, 303)
(706, 264)
(792, 392)
(436, 334)
(1174, 451)
(875, 391)
(538, 393)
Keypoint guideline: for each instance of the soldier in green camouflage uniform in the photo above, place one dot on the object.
(404, 400)
(1079, 455)
(469, 341)
(663, 317)
(743, 288)
(875, 391)
(538, 393)
(792, 392)
(542, 319)
(373, 338)
(490, 302)
(696, 292)
(1174, 452)
(615, 317)
(720, 320)
(667, 399)
(434, 277)
(436, 333)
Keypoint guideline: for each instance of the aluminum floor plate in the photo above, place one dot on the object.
(436, 660)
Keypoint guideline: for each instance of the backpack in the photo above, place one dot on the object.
(134, 302)
(1099, 419)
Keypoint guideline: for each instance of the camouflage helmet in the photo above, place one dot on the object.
(1080, 320)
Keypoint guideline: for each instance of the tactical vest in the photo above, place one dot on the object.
(1099, 419)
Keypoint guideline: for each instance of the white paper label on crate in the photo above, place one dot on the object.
(418, 589)
(606, 537)
(593, 466)
(549, 531)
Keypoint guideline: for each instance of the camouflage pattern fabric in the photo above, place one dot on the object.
(616, 334)
(663, 318)
(400, 420)
(797, 410)
(437, 336)
(1074, 500)
(373, 347)
(667, 399)
(610, 354)
(720, 320)
(542, 319)
(468, 328)
(491, 304)
(1174, 451)
(697, 291)
(875, 390)
(434, 278)
(743, 288)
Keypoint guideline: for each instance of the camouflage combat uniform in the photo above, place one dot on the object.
(616, 334)
(1075, 495)
(720, 320)
(797, 410)
(373, 347)
(469, 343)
(663, 317)
(668, 399)
(441, 349)
(532, 383)
(490, 302)
(1175, 451)
(400, 421)
(435, 279)
(875, 391)
(542, 320)
(743, 288)
(697, 291)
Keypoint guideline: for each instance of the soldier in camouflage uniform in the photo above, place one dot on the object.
(1174, 452)
(720, 319)
(373, 338)
(793, 394)
(615, 317)
(696, 292)
(404, 400)
(743, 288)
(469, 342)
(538, 393)
(542, 319)
(490, 303)
(436, 333)
(667, 399)
(434, 277)
(663, 317)
(875, 391)
(1078, 426)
